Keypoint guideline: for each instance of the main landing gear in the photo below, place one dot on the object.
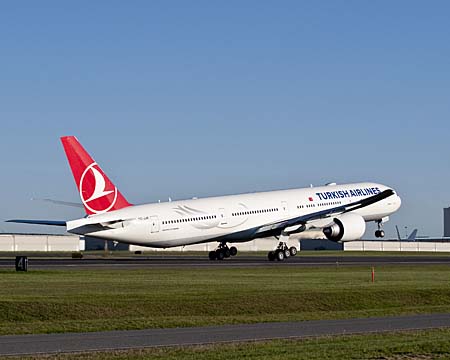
(380, 232)
(222, 252)
(282, 252)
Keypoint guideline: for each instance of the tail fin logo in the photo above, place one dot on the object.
(97, 193)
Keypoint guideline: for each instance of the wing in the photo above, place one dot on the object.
(38, 222)
(302, 220)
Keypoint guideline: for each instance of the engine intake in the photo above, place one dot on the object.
(346, 227)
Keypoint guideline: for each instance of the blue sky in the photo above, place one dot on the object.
(204, 98)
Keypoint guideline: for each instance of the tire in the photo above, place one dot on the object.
(271, 255)
(293, 251)
(233, 251)
(381, 233)
(220, 254)
(226, 252)
(212, 255)
(279, 255)
(377, 233)
(287, 253)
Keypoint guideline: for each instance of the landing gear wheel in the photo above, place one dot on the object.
(380, 232)
(279, 255)
(282, 252)
(222, 252)
(293, 251)
(220, 255)
(233, 251)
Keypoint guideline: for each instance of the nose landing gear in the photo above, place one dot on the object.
(222, 252)
(380, 232)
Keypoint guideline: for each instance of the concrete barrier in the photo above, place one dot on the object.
(410, 246)
(71, 243)
(6, 242)
(44, 243)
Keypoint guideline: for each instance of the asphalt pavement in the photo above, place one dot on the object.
(176, 261)
(133, 339)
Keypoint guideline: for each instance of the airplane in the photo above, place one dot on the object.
(341, 211)
(423, 238)
(411, 237)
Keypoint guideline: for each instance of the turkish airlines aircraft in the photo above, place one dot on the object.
(341, 211)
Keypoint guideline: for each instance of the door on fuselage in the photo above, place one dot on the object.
(285, 208)
(154, 224)
(222, 217)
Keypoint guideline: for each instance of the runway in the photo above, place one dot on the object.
(177, 261)
(116, 340)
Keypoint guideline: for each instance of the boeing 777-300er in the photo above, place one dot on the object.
(340, 211)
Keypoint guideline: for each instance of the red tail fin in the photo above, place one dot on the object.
(97, 192)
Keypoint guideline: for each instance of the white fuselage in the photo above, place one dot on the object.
(234, 218)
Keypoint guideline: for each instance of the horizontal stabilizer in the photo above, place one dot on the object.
(60, 202)
(39, 222)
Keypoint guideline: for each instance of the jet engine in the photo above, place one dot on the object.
(346, 227)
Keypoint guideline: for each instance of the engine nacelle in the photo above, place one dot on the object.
(346, 227)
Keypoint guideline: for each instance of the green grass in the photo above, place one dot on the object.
(432, 344)
(74, 300)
